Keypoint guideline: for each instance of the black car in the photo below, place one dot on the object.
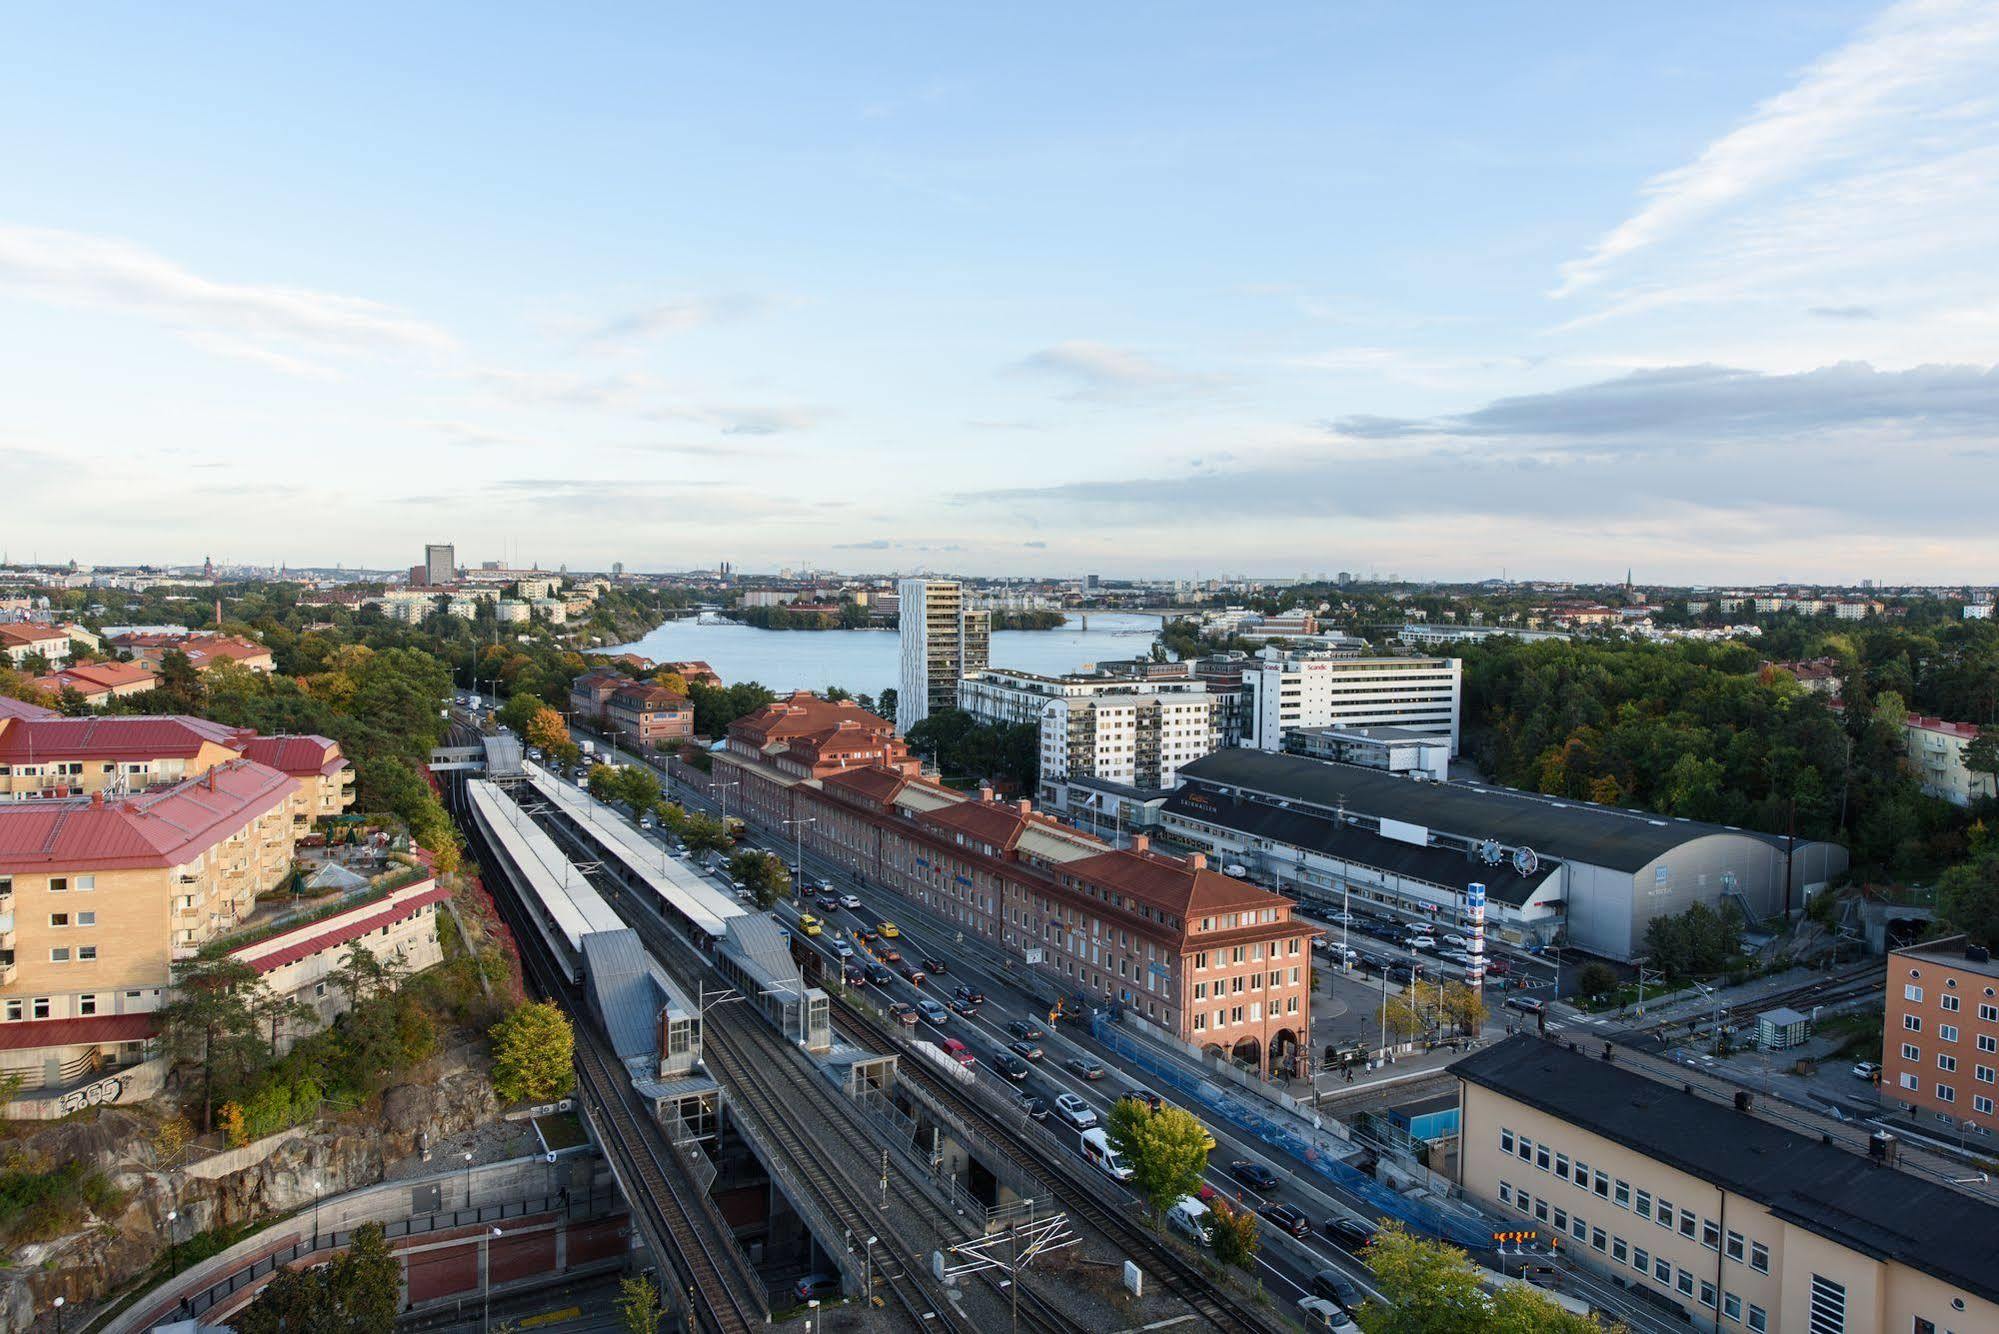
(1037, 1108)
(1336, 1287)
(959, 1005)
(1401, 972)
(1009, 1065)
(1348, 1234)
(1023, 1028)
(914, 975)
(1085, 1067)
(853, 976)
(1152, 1100)
(816, 1287)
(1254, 1175)
(1027, 1051)
(878, 975)
(1288, 1217)
(971, 994)
(936, 966)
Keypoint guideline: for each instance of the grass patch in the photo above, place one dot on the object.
(562, 1132)
(39, 1206)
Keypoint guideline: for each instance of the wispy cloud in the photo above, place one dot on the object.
(76, 269)
(1899, 66)
(671, 316)
(1098, 370)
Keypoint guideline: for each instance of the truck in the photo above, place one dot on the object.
(587, 746)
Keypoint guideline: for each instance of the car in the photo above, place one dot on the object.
(1027, 1051)
(1867, 1070)
(851, 902)
(913, 975)
(1288, 1218)
(826, 902)
(1523, 1004)
(1498, 966)
(1349, 1234)
(865, 935)
(816, 1288)
(972, 994)
(1036, 1108)
(961, 1006)
(1152, 1100)
(936, 966)
(1336, 1287)
(853, 976)
(904, 1012)
(878, 976)
(825, 885)
(958, 1051)
(1026, 1028)
(1462, 958)
(1009, 1065)
(1342, 919)
(932, 1012)
(1420, 940)
(1085, 1067)
(887, 955)
(645, 822)
(809, 924)
(1074, 1111)
(843, 949)
(1400, 972)
(1318, 1313)
(890, 929)
(1254, 1175)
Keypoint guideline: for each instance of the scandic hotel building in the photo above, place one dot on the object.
(1209, 959)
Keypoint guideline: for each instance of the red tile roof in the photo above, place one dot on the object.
(872, 786)
(151, 736)
(295, 755)
(1168, 882)
(37, 1033)
(803, 714)
(97, 678)
(319, 941)
(988, 821)
(164, 827)
(29, 632)
(11, 708)
(638, 694)
(1965, 731)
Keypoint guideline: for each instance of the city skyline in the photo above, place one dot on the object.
(1438, 293)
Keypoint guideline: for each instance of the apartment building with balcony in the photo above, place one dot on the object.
(1734, 1221)
(100, 894)
(1317, 689)
(943, 640)
(1935, 748)
(1940, 1035)
(325, 778)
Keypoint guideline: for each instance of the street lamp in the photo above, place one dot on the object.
(723, 788)
(58, 1306)
(315, 1213)
(486, 1278)
(798, 890)
(173, 1243)
(468, 1178)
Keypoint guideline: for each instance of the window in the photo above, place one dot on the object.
(1644, 1206)
(1731, 1306)
(59, 954)
(1602, 1184)
(1710, 1234)
(1541, 1210)
(1948, 1003)
(1913, 1022)
(1945, 1093)
(1561, 1220)
(1988, 1013)
(1911, 992)
(86, 954)
(1759, 1257)
(41, 1007)
(58, 920)
(1523, 1201)
(1622, 1195)
(1707, 1293)
(1641, 1259)
(1911, 1083)
(1526, 1149)
(1685, 1283)
(1620, 1250)
(1735, 1246)
(86, 919)
(1665, 1216)
(1541, 1156)
(1981, 1104)
(1596, 1238)
(86, 1005)
(1505, 1140)
(1828, 1309)
(1562, 1166)
(1582, 1174)
(1911, 1052)
(1579, 1229)
(1947, 1032)
(1662, 1270)
(1946, 1061)
(13, 1010)
(1759, 1320)
(58, 884)
(1922, 1326)
(85, 883)
(1505, 1193)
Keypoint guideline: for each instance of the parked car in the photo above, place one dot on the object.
(816, 1288)
(1085, 1067)
(932, 1012)
(1420, 940)
(1254, 1175)
(1074, 1111)
(1867, 1070)
(1349, 1234)
(1025, 1028)
(1401, 972)
(1498, 965)
(1289, 1218)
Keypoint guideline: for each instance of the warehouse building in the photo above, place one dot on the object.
(1597, 874)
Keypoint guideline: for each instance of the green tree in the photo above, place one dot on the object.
(1697, 942)
(1982, 755)
(887, 700)
(766, 875)
(358, 1292)
(1968, 897)
(705, 833)
(1234, 1234)
(1430, 1287)
(212, 1024)
(638, 787)
(534, 1053)
(639, 1309)
(603, 782)
(1596, 979)
(1167, 1151)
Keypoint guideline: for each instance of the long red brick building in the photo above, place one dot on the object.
(1215, 961)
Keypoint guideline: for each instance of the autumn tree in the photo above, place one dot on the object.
(1431, 1287)
(1234, 1234)
(546, 729)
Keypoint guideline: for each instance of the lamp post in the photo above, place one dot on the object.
(58, 1306)
(173, 1243)
(468, 1178)
(315, 1213)
(486, 1278)
(723, 788)
(798, 888)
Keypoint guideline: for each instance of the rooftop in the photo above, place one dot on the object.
(164, 827)
(152, 736)
(1952, 952)
(1572, 830)
(1838, 1194)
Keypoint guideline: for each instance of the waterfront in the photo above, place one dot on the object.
(868, 661)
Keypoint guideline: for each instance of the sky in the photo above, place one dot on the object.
(1710, 291)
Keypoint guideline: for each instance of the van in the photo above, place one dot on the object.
(1096, 1146)
(1191, 1219)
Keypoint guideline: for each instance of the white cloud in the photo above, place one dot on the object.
(1098, 370)
(72, 268)
(1920, 59)
(671, 316)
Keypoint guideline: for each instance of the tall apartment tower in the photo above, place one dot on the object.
(440, 564)
(942, 640)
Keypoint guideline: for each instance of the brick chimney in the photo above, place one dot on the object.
(1026, 806)
(985, 792)
(1140, 843)
(1197, 861)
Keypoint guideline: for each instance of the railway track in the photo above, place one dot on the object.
(725, 1297)
(1082, 1196)
(1820, 991)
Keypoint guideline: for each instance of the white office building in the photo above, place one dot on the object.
(1292, 690)
(942, 641)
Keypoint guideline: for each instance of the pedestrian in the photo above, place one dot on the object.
(1349, 1074)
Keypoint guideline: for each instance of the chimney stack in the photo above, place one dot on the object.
(1140, 843)
(985, 792)
(1197, 861)
(1026, 806)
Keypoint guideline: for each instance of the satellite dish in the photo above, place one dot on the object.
(1488, 852)
(1525, 862)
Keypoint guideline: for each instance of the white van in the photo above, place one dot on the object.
(1097, 1148)
(1191, 1219)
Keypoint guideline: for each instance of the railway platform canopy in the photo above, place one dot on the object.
(756, 960)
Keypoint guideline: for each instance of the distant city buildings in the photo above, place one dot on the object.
(440, 564)
(943, 640)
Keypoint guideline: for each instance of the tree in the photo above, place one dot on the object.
(1968, 897)
(1462, 1008)
(888, 700)
(639, 1309)
(1695, 943)
(603, 782)
(638, 787)
(705, 833)
(766, 875)
(1596, 978)
(1402, 1017)
(1431, 1287)
(1982, 755)
(212, 1024)
(1167, 1150)
(534, 1053)
(358, 1292)
(546, 729)
(1234, 1234)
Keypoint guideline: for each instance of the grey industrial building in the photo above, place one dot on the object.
(1331, 831)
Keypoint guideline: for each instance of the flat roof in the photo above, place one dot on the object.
(1572, 830)
(1950, 953)
(1835, 1193)
(1385, 735)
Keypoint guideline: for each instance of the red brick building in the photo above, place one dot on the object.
(1940, 1039)
(649, 715)
(590, 694)
(1212, 960)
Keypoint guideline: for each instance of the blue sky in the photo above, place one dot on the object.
(1161, 289)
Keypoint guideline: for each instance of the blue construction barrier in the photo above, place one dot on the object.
(1320, 1153)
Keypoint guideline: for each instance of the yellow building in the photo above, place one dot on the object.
(1740, 1221)
(99, 895)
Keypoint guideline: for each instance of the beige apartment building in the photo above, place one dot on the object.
(1741, 1222)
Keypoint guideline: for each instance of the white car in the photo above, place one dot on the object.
(1075, 1111)
(1419, 941)
(1320, 1313)
(851, 902)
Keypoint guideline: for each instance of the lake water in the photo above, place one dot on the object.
(867, 661)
